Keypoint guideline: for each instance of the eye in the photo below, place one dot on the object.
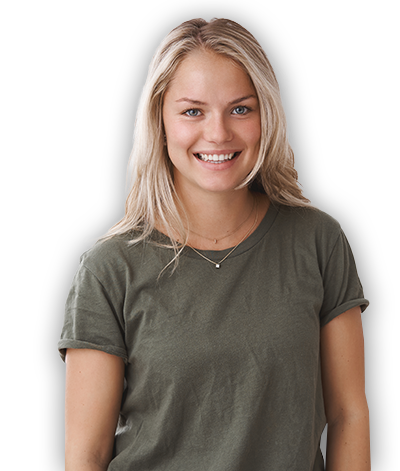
(241, 110)
(193, 112)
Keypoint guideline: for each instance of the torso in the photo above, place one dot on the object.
(222, 365)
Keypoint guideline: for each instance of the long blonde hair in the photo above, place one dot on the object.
(152, 199)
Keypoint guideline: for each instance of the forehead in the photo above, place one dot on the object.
(209, 74)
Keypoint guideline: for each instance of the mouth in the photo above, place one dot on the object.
(217, 158)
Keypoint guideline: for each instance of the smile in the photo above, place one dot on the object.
(217, 158)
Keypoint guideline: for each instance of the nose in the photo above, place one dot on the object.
(218, 130)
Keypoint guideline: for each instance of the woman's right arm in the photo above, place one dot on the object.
(94, 386)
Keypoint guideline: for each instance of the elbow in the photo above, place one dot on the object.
(349, 414)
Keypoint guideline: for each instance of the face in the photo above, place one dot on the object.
(212, 124)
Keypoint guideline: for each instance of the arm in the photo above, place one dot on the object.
(94, 387)
(342, 361)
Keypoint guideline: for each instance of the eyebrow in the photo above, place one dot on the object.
(197, 102)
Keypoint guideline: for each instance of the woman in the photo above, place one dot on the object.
(220, 318)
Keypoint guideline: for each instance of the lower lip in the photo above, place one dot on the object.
(221, 166)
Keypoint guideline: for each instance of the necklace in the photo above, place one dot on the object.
(229, 233)
(218, 264)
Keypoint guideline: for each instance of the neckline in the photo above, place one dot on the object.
(247, 244)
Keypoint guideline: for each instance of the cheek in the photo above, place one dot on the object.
(183, 136)
(180, 135)
(257, 130)
(252, 133)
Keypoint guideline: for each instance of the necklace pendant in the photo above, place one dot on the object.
(217, 265)
(215, 241)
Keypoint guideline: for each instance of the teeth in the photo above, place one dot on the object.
(216, 157)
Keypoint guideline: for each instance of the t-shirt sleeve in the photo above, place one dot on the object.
(342, 286)
(91, 318)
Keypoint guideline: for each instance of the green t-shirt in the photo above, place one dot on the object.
(222, 365)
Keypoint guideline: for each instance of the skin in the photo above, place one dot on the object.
(211, 107)
(343, 380)
(94, 385)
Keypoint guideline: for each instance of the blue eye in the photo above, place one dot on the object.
(240, 110)
(192, 112)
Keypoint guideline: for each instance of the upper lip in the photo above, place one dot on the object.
(217, 152)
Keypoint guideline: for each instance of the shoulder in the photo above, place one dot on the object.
(308, 220)
(309, 228)
(109, 254)
(312, 236)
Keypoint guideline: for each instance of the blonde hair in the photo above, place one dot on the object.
(152, 199)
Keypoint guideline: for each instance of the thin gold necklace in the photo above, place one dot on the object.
(230, 233)
(218, 264)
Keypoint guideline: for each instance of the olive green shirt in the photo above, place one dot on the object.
(222, 365)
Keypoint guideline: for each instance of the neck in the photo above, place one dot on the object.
(217, 221)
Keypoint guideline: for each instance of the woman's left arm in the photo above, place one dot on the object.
(343, 379)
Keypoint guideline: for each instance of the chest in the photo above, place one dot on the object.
(256, 311)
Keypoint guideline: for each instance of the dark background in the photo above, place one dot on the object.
(96, 62)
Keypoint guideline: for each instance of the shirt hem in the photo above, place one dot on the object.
(80, 344)
(362, 302)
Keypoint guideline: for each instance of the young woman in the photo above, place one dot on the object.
(220, 318)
